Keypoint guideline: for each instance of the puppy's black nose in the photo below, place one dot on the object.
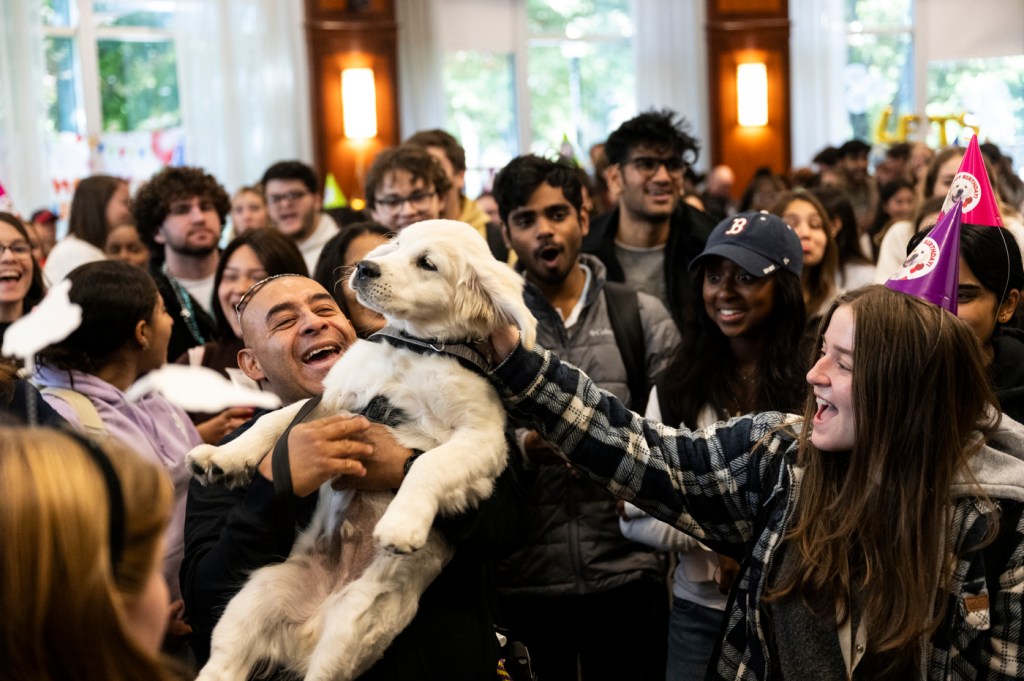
(367, 269)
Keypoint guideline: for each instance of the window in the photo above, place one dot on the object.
(111, 89)
(576, 85)
(581, 72)
(958, 87)
(481, 111)
(879, 70)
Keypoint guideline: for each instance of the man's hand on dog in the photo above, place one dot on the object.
(349, 450)
(384, 467)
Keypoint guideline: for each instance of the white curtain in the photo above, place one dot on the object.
(420, 67)
(670, 51)
(22, 107)
(817, 56)
(244, 84)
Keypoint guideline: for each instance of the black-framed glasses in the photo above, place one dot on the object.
(417, 200)
(648, 165)
(17, 248)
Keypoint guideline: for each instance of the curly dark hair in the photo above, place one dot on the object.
(154, 198)
(658, 129)
(411, 158)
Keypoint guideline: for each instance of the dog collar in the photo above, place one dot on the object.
(462, 351)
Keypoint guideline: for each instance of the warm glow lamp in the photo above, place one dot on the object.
(359, 103)
(752, 94)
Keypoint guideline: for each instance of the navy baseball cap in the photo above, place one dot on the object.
(760, 243)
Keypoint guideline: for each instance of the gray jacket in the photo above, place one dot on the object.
(573, 544)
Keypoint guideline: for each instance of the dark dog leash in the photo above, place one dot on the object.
(284, 495)
(462, 351)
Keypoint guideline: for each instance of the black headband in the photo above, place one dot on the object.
(114, 495)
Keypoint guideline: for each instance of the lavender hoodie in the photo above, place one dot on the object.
(152, 426)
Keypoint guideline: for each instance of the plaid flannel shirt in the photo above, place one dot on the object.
(734, 486)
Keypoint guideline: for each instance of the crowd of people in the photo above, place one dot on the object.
(732, 455)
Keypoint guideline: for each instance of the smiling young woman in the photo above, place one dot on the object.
(21, 279)
(741, 355)
(880, 536)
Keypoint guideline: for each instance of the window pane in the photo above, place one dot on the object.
(579, 91)
(138, 85)
(580, 18)
(134, 13)
(879, 73)
(61, 86)
(480, 90)
(59, 13)
(991, 91)
(871, 15)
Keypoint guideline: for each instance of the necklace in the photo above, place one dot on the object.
(188, 312)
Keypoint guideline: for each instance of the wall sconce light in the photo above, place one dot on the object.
(752, 94)
(359, 103)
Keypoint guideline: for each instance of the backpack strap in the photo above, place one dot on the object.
(88, 417)
(624, 315)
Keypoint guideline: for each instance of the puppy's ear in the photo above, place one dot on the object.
(500, 285)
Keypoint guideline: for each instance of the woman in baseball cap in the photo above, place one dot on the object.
(740, 356)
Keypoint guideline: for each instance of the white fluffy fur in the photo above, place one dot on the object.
(436, 280)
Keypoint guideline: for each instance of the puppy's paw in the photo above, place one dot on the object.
(210, 464)
(401, 533)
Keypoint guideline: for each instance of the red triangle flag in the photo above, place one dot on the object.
(6, 204)
(972, 189)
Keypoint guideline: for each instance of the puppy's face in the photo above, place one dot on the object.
(438, 279)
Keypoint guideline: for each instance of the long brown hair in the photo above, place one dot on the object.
(87, 218)
(819, 280)
(64, 600)
(875, 522)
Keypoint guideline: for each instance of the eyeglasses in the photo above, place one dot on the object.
(648, 165)
(417, 201)
(17, 248)
(290, 197)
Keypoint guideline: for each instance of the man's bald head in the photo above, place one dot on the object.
(293, 332)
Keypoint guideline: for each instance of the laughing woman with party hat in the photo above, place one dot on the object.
(880, 534)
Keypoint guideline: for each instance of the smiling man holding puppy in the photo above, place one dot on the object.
(294, 333)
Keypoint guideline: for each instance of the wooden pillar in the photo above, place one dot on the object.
(748, 31)
(343, 34)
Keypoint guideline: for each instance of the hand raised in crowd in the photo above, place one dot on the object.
(216, 429)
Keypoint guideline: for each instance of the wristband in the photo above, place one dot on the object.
(416, 453)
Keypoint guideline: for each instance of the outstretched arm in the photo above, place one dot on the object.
(708, 483)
